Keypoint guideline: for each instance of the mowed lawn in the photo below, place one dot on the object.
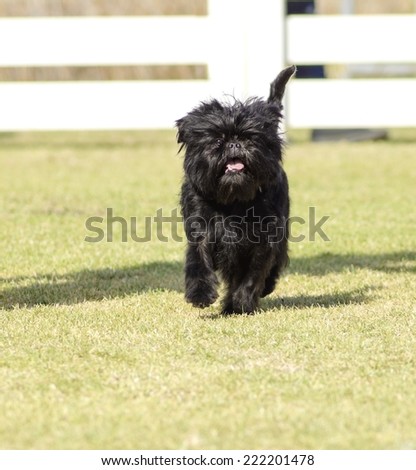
(98, 349)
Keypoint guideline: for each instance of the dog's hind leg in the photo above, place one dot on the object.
(247, 284)
(271, 280)
(243, 299)
(274, 274)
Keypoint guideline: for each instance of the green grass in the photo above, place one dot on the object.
(99, 350)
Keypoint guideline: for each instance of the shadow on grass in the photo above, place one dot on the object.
(92, 285)
(326, 263)
(96, 285)
(354, 297)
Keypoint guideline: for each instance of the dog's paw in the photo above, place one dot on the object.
(227, 308)
(201, 298)
(268, 289)
(238, 306)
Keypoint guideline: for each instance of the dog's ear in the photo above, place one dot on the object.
(181, 136)
(277, 87)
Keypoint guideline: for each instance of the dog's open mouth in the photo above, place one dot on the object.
(235, 165)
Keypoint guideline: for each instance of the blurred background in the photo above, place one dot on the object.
(186, 45)
(33, 8)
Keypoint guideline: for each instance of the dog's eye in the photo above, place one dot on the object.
(218, 142)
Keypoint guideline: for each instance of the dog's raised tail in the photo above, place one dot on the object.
(277, 87)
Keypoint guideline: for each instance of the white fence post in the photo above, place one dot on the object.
(265, 45)
(247, 49)
(226, 66)
(347, 7)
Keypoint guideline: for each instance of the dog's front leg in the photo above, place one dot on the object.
(245, 288)
(200, 279)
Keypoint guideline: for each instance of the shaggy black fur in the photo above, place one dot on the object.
(235, 199)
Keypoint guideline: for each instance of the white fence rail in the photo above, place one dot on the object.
(243, 43)
(351, 39)
(104, 41)
(225, 40)
(100, 41)
(381, 39)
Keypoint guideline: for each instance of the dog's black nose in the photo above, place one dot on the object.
(234, 145)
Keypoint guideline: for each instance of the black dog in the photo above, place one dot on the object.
(235, 199)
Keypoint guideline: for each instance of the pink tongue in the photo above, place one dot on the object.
(235, 165)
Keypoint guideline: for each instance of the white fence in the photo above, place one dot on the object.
(333, 103)
(224, 40)
(244, 44)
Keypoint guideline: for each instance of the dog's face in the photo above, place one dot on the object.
(233, 149)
